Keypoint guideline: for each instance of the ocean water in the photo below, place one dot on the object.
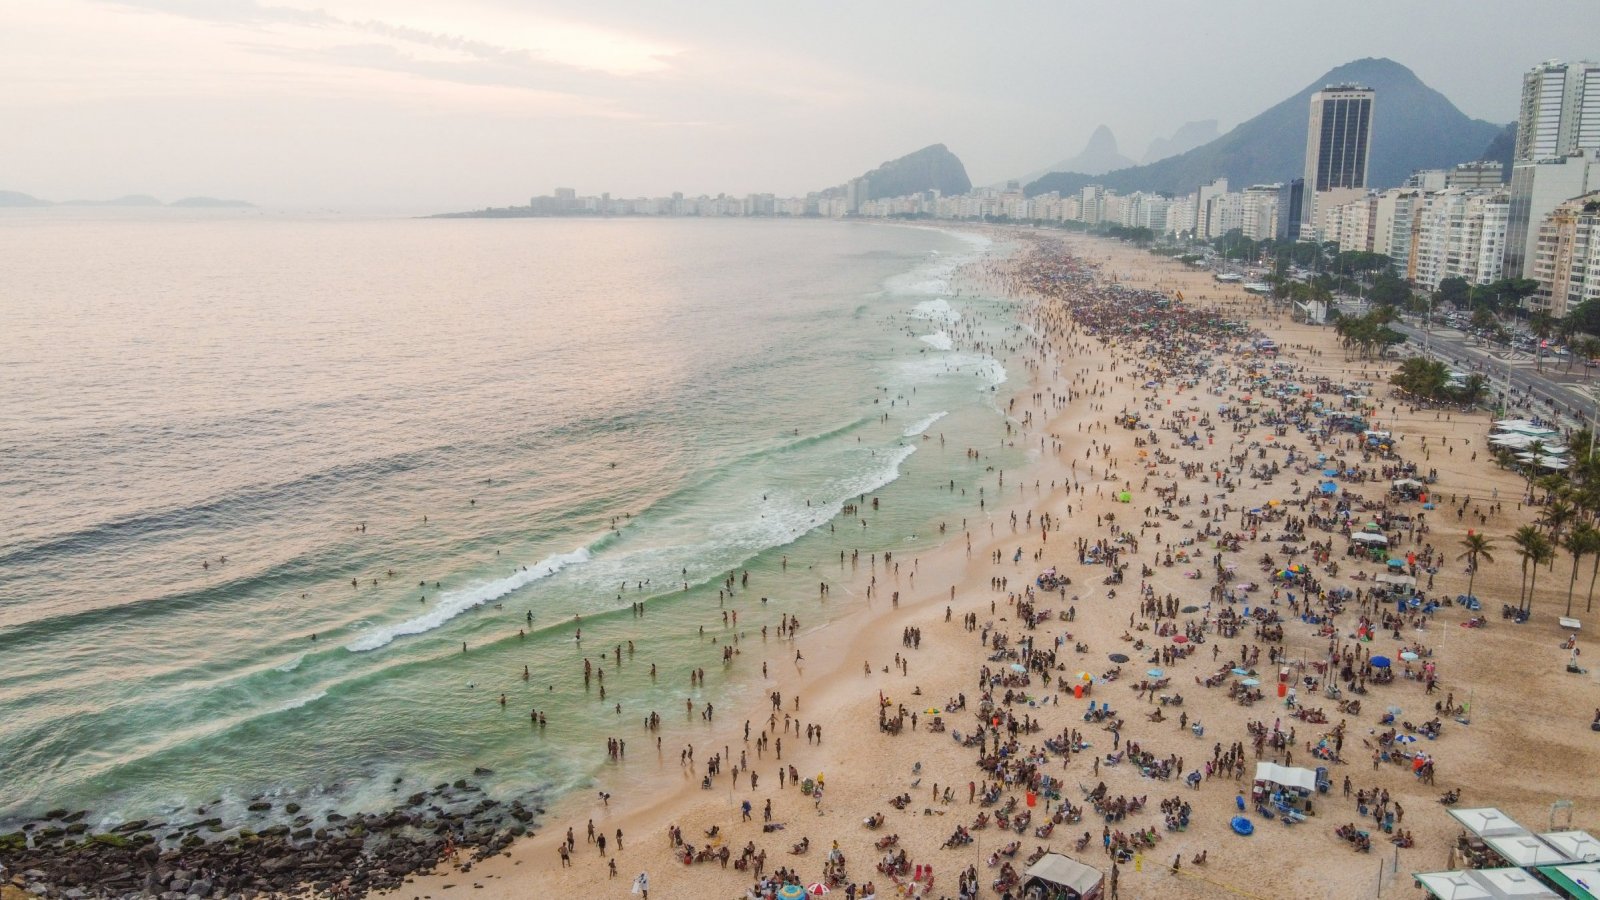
(224, 433)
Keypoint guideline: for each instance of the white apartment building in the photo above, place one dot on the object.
(1200, 224)
(1181, 215)
(1460, 234)
(1566, 261)
(1392, 234)
(1260, 217)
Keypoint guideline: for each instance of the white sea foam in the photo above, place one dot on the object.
(936, 310)
(455, 603)
(938, 340)
(923, 424)
(298, 702)
(926, 366)
(292, 664)
(753, 519)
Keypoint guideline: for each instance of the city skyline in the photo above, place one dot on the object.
(354, 102)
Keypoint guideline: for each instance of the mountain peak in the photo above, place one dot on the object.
(1413, 127)
(1098, 156)
(933, 168)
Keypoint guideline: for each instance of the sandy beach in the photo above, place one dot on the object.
(1528, 743)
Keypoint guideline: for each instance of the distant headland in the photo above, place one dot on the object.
(19, 199)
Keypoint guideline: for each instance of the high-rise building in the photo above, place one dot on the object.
(1560, 110)
(1566, 260)
(1338, 142)
(1392, 234)
(1557, 120)
(1537, 187)
(1483, 174)
(1291, 199)
(1261, 211)
(1460, 234)
(1203, 207)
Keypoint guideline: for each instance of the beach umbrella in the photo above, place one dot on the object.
(1381, 662)
(1180, 639)
(1018, 667)
(1408, 656)
(791, 892)
(1406, 739)
(1195, 609)
(1155, 673)
(1397, 563)
(1328, 487)
(1119, 658)
(1241, 671)
(1086, 677)
(1251, 682)
(816, 889)
(1330, 472)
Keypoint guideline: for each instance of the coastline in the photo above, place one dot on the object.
(864, 767)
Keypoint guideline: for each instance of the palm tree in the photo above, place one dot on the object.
(1582, 541)
(1475, 547)
(1557, 516)
(1535, 550)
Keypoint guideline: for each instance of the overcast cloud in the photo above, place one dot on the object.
(412, 104)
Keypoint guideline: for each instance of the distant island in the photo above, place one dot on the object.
(19, 199)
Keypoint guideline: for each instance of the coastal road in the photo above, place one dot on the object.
(1554, 392)
(1562, 393)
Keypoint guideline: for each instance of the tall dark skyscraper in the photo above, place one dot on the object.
(1338, 145)
(1291, 201)
(1340, 136)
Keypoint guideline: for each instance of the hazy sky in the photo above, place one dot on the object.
(414, 104)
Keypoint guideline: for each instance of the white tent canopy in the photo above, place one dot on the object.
(1367, 537)
(1525, 427)
(1396, 580)
(1526, 850)
(1486, 821)
(1484, 884)
(1288, 776)
(1068, 873)
(1578, 845)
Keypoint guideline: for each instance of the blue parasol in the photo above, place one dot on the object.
(1381, 662)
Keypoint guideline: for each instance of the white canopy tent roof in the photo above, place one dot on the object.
(1523, 426)
(1066, 872)
(1397, 580)
(1367, 537)
(1526, 850)
(1288, 776)
(1578, 845)
(1484, 884)
(1405, 483)
(1486, 821)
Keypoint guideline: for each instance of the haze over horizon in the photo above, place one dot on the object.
(368, 104)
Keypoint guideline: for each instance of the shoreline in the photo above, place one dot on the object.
(292, 825)
(865, 767)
